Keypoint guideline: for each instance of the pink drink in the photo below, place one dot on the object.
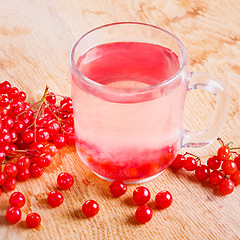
(128, 138)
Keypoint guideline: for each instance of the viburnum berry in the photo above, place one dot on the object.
(229, 167)
(5, 86)
(237, 160)
(2, 156)
(202, 172)
(10, 184)
(143, 214)
(36, 171)
(23, 163)
(177, 164)
(59, 140)
(216, 177)
(2, 178)
(226, 186)
(223, 153)
(51, 98)
(90, 208)
(13, 215)
(23, 175)
(17, 199)
(53, 127)
(10, 170)
(50, 148)
(141, 195)
(55, 199)
(118, 188)
(235, 177)
(27, 136)
(33, 220)
(190, 164)
(44, 160)
(65, 180)
(214, 163)
(13, 93)
(163, 199)
(42, 135)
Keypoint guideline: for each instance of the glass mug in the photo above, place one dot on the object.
(129, 84)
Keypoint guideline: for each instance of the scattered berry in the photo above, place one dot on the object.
(13, 214)
(141, 195)
(143, 214)
(163, 199)
(118, 188)
(90, 208)
(33, 220)
(65, 180)
(177, 164)
(17, 199)
(55, 198)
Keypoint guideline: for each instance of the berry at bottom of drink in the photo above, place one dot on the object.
(127, 165)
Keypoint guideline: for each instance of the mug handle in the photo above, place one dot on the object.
(215, 86)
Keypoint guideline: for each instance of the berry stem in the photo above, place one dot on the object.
(220, 141)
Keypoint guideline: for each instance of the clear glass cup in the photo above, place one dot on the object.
(128, 96)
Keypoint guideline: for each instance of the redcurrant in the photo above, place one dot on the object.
(17, 199)
(163, 199)
(65, 180)
(13, 214)
(33, 220)
(143, 214)
(55, 198)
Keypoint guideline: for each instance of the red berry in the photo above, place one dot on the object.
(5, 139)
(13, 93)
(44, 160)
(0, 192)
(50, 148)
(14, 135)
(118, 188)
(53, 127)
(51, 98)
(90, 208)
(237, 161)
(141, 195)
(42, 135)
(216, 177)
(5, 86)
(22, 96)
(55, 198)
(13, 214)
(2, 178)
(7, 122)
(17, 199)
(223, 153)
(229, 167)
(177, 164)
(202, 172)
(11, 170)
(23, 163)
(5, 101)
(65, 180)
(143, 214)
(226, 186)
(33, 220)
(2, 156)
(70, 137)
(10, 184)
(163, 199)
(59, 140)
(18, 126)
(235, 177)
(23, 175)
(27, 136)
(190, 164)
(214, 163)
(36, 171)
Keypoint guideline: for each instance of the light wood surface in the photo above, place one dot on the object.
(35, 39)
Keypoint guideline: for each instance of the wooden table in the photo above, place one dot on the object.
(35, 39)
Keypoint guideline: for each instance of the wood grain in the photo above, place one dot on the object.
(35, 39)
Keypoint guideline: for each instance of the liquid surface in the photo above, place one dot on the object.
(134, 139)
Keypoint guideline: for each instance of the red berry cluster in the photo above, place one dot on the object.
(222, 169)
(31, 134)
(141, 196)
